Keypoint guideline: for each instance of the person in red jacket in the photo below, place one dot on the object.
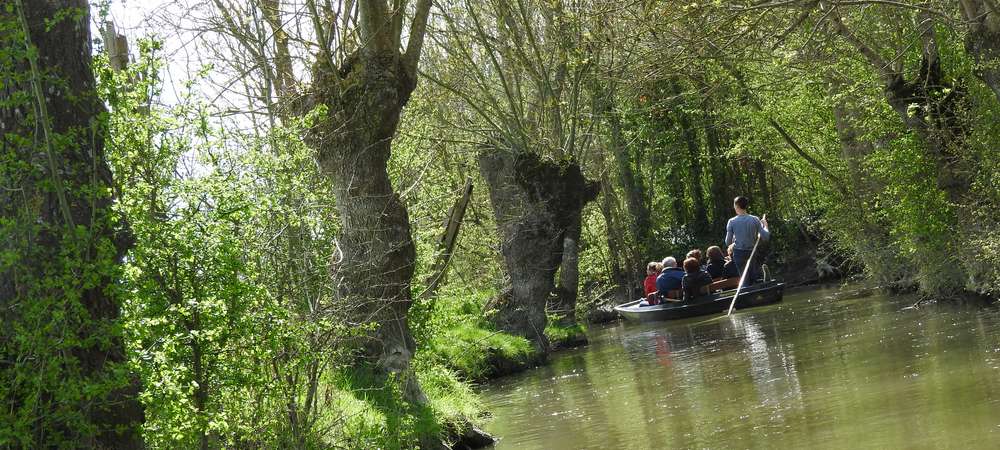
(652, 271)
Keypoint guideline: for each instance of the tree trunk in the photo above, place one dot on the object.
(446, 245)
(364, 100)
(690, 136)
(873, 243)
(535, 202)
(928, 104)
(618, 276)
(568, 288)
(721, 190)
(630, 177)
(57, 294)
(671, 183)
(760, 175)
(854, 147)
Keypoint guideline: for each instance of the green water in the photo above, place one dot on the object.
(811, 372)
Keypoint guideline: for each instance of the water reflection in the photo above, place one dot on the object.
(811, 371)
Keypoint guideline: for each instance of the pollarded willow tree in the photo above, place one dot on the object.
(522, 68)
(347, 66)
(361, 99)
(61, 354)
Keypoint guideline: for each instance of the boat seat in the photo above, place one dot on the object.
(672, 296)
(728, 283)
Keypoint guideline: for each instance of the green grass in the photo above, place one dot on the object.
(470, 349)
(372, 413)
(451, 399)
(456, 347)
(456, 335)
(560, 334)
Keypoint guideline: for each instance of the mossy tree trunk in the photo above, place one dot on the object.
(62, 360)
(535, 202)
(363, 99)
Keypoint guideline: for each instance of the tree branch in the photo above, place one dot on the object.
(755, 104)
(375, 26)
(867, 51)
(837, 183)
(396, 20)
(284, 78)
(415, 41)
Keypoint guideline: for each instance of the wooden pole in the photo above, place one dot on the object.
(446, 245)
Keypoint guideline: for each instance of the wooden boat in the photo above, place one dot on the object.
(764, 293)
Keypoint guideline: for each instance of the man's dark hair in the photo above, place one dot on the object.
(742, 202)
(691, 265)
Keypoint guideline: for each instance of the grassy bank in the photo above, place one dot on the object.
(459, 349)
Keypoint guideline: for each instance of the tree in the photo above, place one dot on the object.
(536, 203)
(62, 354)
(360, 76)
(521, 69)
(928, 103)
(362, 99)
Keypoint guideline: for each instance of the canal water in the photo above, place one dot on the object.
(816, 371)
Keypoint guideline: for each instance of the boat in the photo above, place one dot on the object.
(764, 293)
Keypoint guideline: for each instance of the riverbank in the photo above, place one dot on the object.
(459, 350)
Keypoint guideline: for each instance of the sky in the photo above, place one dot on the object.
(132, 19)
(136, 19)
(184, 53)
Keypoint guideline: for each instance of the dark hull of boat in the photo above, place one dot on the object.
(755, 295)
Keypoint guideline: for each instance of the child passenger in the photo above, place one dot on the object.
(695, 280)
(652, 271)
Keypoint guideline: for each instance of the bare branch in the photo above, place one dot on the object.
(375, 26)
(415, 42)
(397, 14)
(283, 77)
(798, 21)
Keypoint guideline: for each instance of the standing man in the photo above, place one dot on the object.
(742, 232)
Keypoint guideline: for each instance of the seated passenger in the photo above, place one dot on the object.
(696, 254)
(695, 281)
(730, 270)
(716, 263)
(652, 271)
(670, 277)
